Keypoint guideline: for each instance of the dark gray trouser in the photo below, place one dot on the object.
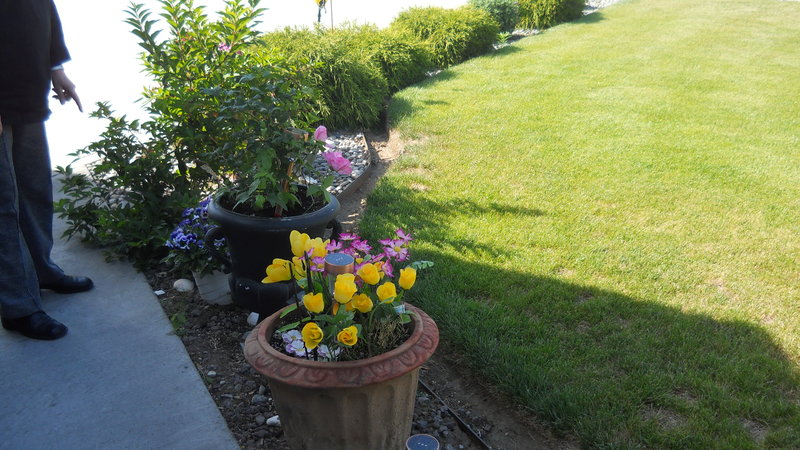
(26, 219)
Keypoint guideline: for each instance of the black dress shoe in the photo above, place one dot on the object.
(69, 284)
(36, 326)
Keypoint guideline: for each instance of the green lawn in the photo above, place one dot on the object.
(614, 210)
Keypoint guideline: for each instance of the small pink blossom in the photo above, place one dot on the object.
(321, 133)
(405, 237)
(333, 246)
(338, 162)
(348, 237)
(223, 47)
(362, 246)
(387, 269)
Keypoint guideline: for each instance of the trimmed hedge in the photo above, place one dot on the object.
(505, 12)
(402, 57)
(452, 35)
(353, 88)
(541, 14)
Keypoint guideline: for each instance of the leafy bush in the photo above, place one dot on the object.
(505, 12)
(452, 35)
(131, 196)
(402, 57)
(352, 88)
(542, 14)
(141, 176)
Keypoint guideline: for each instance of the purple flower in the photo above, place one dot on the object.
(405, 237)
(348, 237)
(362, 246)
(333, 246)
(338, 162)
(388, 270)
(397, 250)
(223, 47)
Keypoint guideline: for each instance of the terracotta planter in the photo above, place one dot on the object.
(364, 404)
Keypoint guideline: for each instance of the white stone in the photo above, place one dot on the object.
(183, 285)
(252, 319)
(274, 421)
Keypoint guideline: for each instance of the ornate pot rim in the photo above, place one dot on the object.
(299, 372)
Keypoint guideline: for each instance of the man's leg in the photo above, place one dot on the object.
(31, 159)
(19, 285)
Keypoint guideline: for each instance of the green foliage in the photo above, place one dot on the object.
(143, 175)
(452, 35)
(505, 12)
(131, 196)
(542, 14)
(402, 57)
(351, 86)
(265, 145)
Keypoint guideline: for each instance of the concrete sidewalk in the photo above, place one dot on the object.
(119, 380)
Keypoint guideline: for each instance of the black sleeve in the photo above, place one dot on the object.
(58, 49)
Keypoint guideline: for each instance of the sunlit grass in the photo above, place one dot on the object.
(614, 210)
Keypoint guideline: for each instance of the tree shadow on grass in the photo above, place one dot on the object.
(612, 369)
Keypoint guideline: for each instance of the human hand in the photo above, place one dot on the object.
(64, 88)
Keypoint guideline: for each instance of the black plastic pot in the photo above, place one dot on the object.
(253, 242)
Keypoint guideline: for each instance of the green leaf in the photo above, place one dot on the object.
(288, 310)
(288, 327)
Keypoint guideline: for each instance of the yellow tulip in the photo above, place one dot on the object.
(312, 335)
(344, 288)
(318, 247)
(348, 336)
(299, 267)
(407, 277)
(314, 302)
(361, 302)
(298, 241)
(387, 292)
(369, 273)
(277, 271)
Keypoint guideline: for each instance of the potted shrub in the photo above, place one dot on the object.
(343, 362)
(267, 183)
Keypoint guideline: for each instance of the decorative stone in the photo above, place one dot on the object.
(183, 285)
(274, 421)
(258, 399)
(252, 319)
(211, 374)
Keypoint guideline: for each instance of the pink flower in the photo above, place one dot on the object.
(388, 270)
(362, 246)
(397, 250)
(334, 246)
(223, 47)
(338, 162)
(348, 237)
(321, 133)
(405, 237)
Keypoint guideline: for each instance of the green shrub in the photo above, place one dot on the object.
(402, 57)
(542, 14)
(351, 86)
(505, 12)
(142, 175)
(452, 35)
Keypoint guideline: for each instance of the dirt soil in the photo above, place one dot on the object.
(453, 405)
